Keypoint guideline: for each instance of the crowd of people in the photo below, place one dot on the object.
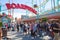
(38, 28)
(51, 28)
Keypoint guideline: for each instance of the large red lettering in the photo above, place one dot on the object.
(18, 6)
(21, 6)
(8, 6)
(30, 9)
(13, 5)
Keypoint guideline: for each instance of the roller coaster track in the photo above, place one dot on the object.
(42, 4)
(57, 7)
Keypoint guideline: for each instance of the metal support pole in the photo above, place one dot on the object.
(0, 6)
(26, 11)
(51, 5)
(32, 3)
(40, 7)
(58, 5)
(9, 11)
(12, 12)
(54, 5)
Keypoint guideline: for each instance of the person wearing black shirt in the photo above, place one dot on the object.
(55, 29)
(18, 27)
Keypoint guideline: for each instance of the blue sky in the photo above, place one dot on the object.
(19, 12)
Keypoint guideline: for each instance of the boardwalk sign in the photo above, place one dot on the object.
(20, 6)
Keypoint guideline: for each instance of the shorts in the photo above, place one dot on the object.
(9, 27)
(25, 30)
(4, 32)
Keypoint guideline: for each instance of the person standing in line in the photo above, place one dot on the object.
(59, 27)
(31, 28)
(18, 27)
(27, 27)
(21, 26)
(13, 26)
(35, 29)
(55, 29)
(58, 23)
(9, 26)
(39, 27)
(4, 22)
(24, 29)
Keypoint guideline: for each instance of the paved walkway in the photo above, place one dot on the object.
(13, 35)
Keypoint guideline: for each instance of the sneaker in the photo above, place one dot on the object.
(35, 36)
(38, 35)
(3, 37)
(32, 37)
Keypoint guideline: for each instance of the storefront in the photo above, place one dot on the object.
(47, 17)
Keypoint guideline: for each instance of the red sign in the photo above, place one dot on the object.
(21, 6)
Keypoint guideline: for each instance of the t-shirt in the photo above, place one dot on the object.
(38, 26)
(55, 26)
(21, 25)
(4, 21)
